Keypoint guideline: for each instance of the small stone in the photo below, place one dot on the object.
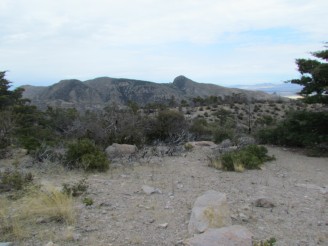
(76, 236)
(164, 226)
(243, 217)
(50, 244)
(263, 203)
(180, 242)
(150, 190)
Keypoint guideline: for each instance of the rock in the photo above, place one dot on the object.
(120, 150)
(150, 190)
(263, 203)
(210, 211)
(6, 244)
(235, 235)
(244, 141)
(226, 143)
(203, 144)
(50, 244)
(243, 217)
(164, 225)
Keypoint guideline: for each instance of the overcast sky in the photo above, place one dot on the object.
(214, 41)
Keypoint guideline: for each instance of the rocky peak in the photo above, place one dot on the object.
(181, 82)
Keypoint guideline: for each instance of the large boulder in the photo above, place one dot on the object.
(210, 210)
(120, 150)
(235, 235)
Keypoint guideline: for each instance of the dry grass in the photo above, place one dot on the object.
(239, 167)
(19, 219)
(49, 203)
(215, 162)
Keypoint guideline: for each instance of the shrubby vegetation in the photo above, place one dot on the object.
(300, 129)
(86, 155)
(249, 157)
(14, 180)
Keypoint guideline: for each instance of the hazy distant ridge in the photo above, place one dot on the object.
(105, 90)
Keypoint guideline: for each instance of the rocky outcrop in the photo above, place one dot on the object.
(210, 210)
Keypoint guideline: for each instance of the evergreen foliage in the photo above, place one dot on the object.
(314, 77)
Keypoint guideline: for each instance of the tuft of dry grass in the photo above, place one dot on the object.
(239, 167)
(19, 219)
(214, 162)
(49, 203)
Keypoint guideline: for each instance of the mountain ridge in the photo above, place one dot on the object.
(99, 92)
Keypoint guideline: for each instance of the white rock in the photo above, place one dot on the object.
(164, 225)
(150, 190)
(50, 244)
(210, 211)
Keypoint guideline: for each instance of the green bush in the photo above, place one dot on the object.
(250, 157)
(87, 201)
(168, 126)
(200, 129)
(300, 129)
(227, 161)
(85, 154)
(221, 134)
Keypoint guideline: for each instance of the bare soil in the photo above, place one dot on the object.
(122, 214)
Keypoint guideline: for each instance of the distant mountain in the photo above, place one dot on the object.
(99, 92)
(283, 89)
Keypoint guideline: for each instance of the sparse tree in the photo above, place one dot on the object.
(314, 77)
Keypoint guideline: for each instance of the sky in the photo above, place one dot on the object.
(222, 42)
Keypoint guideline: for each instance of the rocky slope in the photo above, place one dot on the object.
(103, 91)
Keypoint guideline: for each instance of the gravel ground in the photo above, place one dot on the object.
(123, 214)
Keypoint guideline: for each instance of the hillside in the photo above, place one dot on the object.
(97, 93)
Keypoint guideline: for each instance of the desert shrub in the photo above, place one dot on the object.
(267, 242)
(14, 180)
(267, 120)
(222, 133)
(200, 129)
(95, 161)
(249, 157)
(75, 189)
(32, 128)
(85, 154)
(299, 128)
(87, 201)
(169, 126)
(227, 161)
